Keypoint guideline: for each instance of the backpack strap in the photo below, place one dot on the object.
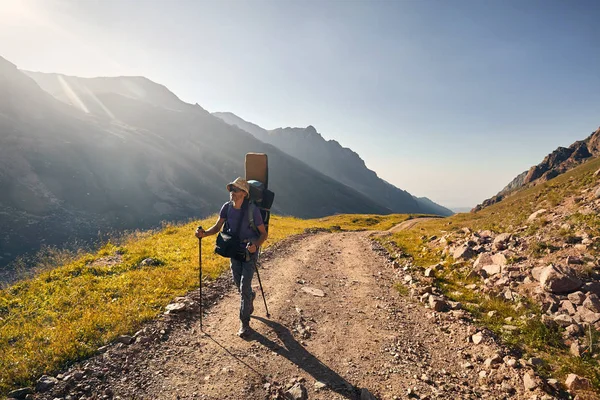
(251, 208)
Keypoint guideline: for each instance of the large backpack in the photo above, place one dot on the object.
(257, 175)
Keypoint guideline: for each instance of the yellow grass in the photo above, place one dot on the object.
(66, 313)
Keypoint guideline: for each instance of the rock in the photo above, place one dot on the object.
(20, 393)
(464, 252)
(483, 259)
(320, 385)
(536, 214)
(575, 382)
(437, 304)
(492, 269)
(576, 298)
(499, 259)
(174, 308)
(575, 349)
(592, 302)
(597, 173)
(366, 395)
(572, 260)
(537, 272)
(597, 194)
(573, 330)
(592, 287)
(125, 339)
(563, 320)
(568, 307)
(477, 338)
(588, 315)
(510, 362)
(529, 381)
(314, 291)
(297, 392)
(429, 273)
(492, 361)
(556, 281)
(151, 262)
(45, 383)
(501, 241)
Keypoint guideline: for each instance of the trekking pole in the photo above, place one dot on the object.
(260, 284)
(200, 273)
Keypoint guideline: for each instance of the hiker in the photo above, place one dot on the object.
(244, 263)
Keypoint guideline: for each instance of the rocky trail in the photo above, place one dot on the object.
(339, 329)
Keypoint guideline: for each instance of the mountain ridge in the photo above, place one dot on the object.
(341, 163)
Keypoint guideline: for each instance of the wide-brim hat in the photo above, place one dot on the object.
(240, 184)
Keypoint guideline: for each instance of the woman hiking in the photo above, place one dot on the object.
(234, 214)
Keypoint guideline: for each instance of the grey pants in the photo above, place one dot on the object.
(242, 273)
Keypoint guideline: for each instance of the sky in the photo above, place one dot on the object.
(446, 99)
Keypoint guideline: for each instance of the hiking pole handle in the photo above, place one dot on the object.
(200, 273)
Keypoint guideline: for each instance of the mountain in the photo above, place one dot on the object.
(340, 163)
(107, 154)
(556, 163)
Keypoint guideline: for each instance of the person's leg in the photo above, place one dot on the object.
(247, 297)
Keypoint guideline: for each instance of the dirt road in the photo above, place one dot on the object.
(362, 334)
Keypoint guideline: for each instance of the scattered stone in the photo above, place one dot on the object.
(499, 259)
(125, 339)
(501, 241)
(575, 382)
(483, 259)
(573, 330)
(20, 393)
(576, 298)
(588, 315)
(150, 262)
(429, 273)
(314, 291)
(555, 281)
(575, 349)
(477, 338)
(568, 307)
(493, 361)
(536, 214)
(572, 260)
(437, 304)
(597, 194)
(536, 362)
(563, 320)
(510, 362)
(297, 392)
(320, 385)
(592, 302)
(529, 381)
(174, 308)
(463, 252)
(366, 395)
(45, 383)
(492, 269)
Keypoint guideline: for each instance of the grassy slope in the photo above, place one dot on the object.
(533, 337)
(66, 313)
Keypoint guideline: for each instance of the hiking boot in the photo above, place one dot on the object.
(244, 329)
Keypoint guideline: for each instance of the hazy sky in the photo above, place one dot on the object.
(446, 99)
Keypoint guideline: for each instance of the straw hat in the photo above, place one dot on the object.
(240, 184)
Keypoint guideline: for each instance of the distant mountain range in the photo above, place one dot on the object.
(558, 162)
(339, 163)
(79, 156)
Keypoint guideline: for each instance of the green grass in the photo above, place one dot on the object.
(63, 314)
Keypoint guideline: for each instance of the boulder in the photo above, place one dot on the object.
(492, 269)
(464, 252)
(45, 383)
(536, 214)
(563, 320)
(501, 241)
(483, 259)
(554, 280)
(537, 272)
(592, 302)
(577, 298)
(575, 382)
(297, 392)
(567, 306)
(588, 315)
(499, 259)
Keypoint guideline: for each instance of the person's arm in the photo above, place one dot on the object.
(261, 239)
(200, 233)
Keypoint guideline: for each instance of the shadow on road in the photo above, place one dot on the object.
(297, 354)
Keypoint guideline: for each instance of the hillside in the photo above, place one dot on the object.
(340, 163)
(125, 153)
(558, 162)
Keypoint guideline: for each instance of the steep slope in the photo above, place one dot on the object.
(116, 161)
(338, 162)
(558, 162)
